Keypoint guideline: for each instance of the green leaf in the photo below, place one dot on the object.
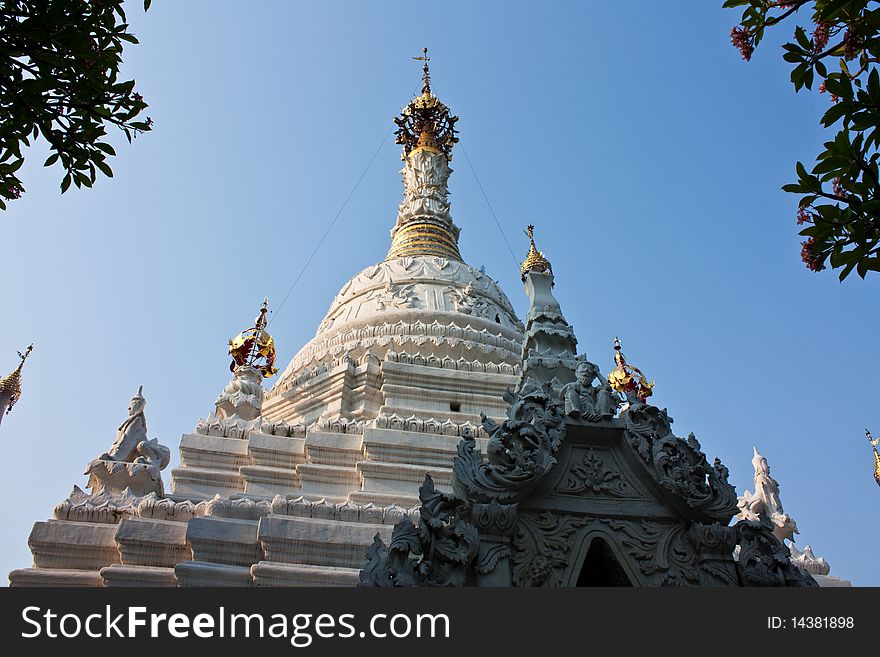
(835, 113)
(52, 159)
(802, 38)
(107, 171)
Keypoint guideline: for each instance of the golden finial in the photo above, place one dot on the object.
(426, 123)
(874, 442)
(11, 383)
(426, 74)
(253, 345)
(628, 379)
(535, 260)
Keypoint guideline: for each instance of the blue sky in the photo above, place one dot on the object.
(648, 154)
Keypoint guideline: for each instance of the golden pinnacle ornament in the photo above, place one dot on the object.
(535, 260)
(628, 379)
(874, 442)
(11, 384)
(254, 347)
(426, 123)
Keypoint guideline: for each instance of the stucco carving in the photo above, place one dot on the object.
(425, 192)
(496, 524)
(520, 450)
(468, 302)
(134, 462)
(808, 562)
(679, 466)
(281, 428)
(663, 551)
(242, 508)
(238, 407)
(437, 552)
(581, 399)
(113, 506)
(593, 475)
(764, 505)
(714, 545)
(542, 547)
(396, 295)
(763, 560)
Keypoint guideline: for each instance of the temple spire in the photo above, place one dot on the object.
(535, 260)
(549, 352)
(10, 385)
(426, 130)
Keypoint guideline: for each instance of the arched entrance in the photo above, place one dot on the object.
(601, 567)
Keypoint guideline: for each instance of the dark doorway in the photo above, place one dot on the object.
(601, 568)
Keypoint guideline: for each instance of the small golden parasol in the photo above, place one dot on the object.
(254, 347)
(628, 379)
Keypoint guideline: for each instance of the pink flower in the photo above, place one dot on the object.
(820, 36)
(804, 216)
(809, 256)
(742, 41)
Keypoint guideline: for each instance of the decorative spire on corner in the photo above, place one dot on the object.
(535, 260)
(426, 123)
(628, 379)
(549, 354)
(874, 442)
(10, 385)
(254, 347)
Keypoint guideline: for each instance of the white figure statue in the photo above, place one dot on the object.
(131, 432)
(133, 463)
(764, 504)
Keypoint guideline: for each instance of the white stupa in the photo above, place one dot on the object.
(289, 487)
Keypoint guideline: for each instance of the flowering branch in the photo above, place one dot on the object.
(840, 196)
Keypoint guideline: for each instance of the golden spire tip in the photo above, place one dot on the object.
(535, 260)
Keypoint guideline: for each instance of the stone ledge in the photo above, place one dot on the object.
(316, 542)
(364, 497)
(261, 480)
(198, 573)
(204, 483)
(276, 451)
(413, 447)
(121, 575)
(331, 448)
(329, 480)
(55, 577)
(399, 478)
(73, 545)
(224, 541)
(270, 573)
(199, 451)
(147, 542)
